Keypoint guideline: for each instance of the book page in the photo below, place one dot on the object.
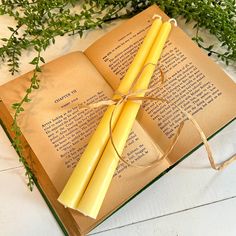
(192, 81)
(58, 131)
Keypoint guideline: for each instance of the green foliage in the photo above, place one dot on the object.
(18, 107)
(39, 22)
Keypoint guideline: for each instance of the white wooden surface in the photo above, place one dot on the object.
(191, 199)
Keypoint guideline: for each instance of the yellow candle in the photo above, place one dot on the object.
(93, 197)
(82, 173)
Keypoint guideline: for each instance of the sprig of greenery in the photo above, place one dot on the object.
(40, 22)
(18, 107)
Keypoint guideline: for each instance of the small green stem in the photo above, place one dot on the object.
(16, 128)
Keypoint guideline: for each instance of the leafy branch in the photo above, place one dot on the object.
(18, 107)
(224, 56)
(40, 22)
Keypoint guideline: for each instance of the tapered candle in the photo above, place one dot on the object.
(82, 173)
(94, 195)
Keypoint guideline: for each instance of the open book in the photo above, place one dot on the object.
(56, 131)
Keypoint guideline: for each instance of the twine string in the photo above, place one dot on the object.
(134, 96)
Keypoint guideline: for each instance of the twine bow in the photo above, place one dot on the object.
(135, 97)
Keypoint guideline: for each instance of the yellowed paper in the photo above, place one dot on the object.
(58, 131)
(192, 80)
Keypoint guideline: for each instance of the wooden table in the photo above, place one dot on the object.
(191, 199)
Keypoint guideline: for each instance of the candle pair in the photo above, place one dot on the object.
(89, 182)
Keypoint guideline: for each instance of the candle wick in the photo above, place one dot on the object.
(156, 16)
(173, 20)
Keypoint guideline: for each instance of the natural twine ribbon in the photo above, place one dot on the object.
(135, 97)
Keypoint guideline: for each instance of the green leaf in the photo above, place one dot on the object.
(34, 61)
(10, 28)
(4, 39)
(42, 59)
(210, 47)
(15, 105)
(27, 99)
(28, 90)
(200, 39)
